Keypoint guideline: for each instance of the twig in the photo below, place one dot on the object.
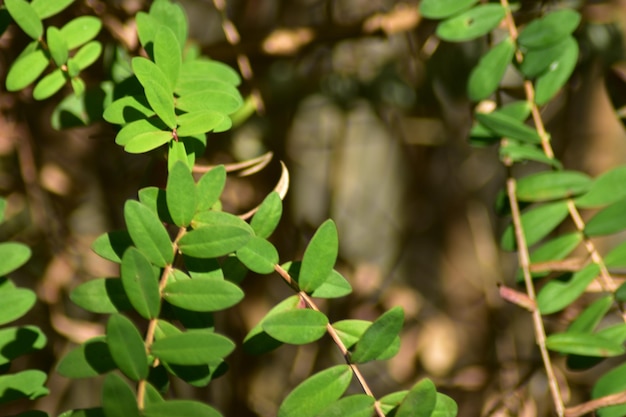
(589, 406)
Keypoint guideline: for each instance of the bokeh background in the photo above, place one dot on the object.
(368, 111)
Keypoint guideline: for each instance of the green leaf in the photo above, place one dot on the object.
(587, 344)
(359, 405)
(316, 393)
(203, 294)
(440, 9)
(213, 241)
(537, 223)
(257, 341)
(335, 286)
(181, 194)
(167, 55)
(156, 88)
(126, 347)
(391, 401)
(552, 185)
(420, 401)
(611, 382)
(296, 327)
(90, 359)
(128, 109)
(26, 69)
(524, 153)
(141, 283)
(87, 55)
(18, 341)
(558, 73)
(117, 398)
(26, 17)
(191, 85)
(180, 408)
(81, 30)
(26, 384)
(550, 29)
(112, 245)
(486, 76)
(258, 255)
(102, 295)
(148, 233)
(194, 347)
(148, 141)
(198, 122)
(57, 46)
(13, 256)
(350, 331)
(173, 16)
(87, 412)
(557, 295)
(616, 258)
(47, 8)
(16, 302)
(608, 220)
(375, 340)
(136, 128)
(445, 407)
(49, 85)
(620, 293)
(267, 217)
(605, 189)
(210, 187)
(471, 24)
(208, 100)
(503, 125)
(319, 257)
(203, 69)
(147, 27)
(537, 61)
(219, 218)
(553, 250)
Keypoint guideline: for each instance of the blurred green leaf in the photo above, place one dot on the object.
(49, 85)
(26, 384)
(26, 69)
(375, 340)
(549, 29)
(57, 46)
(90, 359)
(141, 283)
(538, 60)
(420, 401)
(16, 302)
(193, 347)
(316, 392)
(591, 316)
(440, 9)
(148, 233)
(171, 15)
(87, 54)
(26, 17)
(605, 189)
(297, 327)
(551, 185)
(486, 76)
(553, 250)
(18, 341)
(611, 382)
(587, 344)
(359, 405)
(180, 408)
(471, 24)
(48, 8)
(524, 153)
(607, 221)
(557, 74)
(319, 257)
(203, 294)
(13, 256)
(126, 347)
(81, 30)
(208, 100)
(204, 69)
(537, 223)
(506, 126)
(101, 295)
(117, 398)
(557, 295)
(445, 407)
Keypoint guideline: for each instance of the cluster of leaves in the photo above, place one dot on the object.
(544, 53)
(17, 341)
(181, 257)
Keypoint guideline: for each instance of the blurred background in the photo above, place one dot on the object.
(367, 109)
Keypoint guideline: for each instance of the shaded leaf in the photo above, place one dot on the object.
(90, 359)
(420, 401)
(440, 9)
(210, 187)
(126, 347)
(445, 407)
(203, 294)
(549, 29)
(102, 295)
(486, 76)
(506, 126)
(608, 220)
(128, 109)
(181, 194)
(194, 347)
(148, 233)
(605, 189)
(26, 384)
(18, 341)
(538, 60)
(359, 405)
(553, 250)
(612, 382)
(117, 398)
(335, 286)
(537, 223)
(557, 74)
(557, 295)
(257, 341)
(112, 245)
(551, 185)
(141, 283)
(587, 344)
(471, 24)
(213, 241)
(16, 302)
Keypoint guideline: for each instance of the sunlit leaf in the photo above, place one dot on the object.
(18, 341)
(87, 55)
(157, 89)
(47, 8)
(471, 24)
(257, 341)
(126, 347)
(167, 54)
(26, 69)
(267, 217)
(26, 17)
(213, 241)
(13, 256)
(141, 283)
(258, 255)
(49, 85)
(319, 258)
(180, 408)
(203, 294)
(197, 122)
(537, 223)
(557, 74)
(359, 405)
(605, 189)
(194, 347)
(375, 340)
(609, 220)
(420, 401)
(26, 384)
(57, 46)
(181, 194)
(506, 126)
(210, 187)
(15, 303)
(611, 382)
(148, 233)
(440, 9)
(81, 30)
(296, 327)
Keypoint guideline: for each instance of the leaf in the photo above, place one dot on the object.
(550, 29)
(553, 250)
(26, 69)
(90, 359)
(87, 55)
(148, 141)
(445, 407)
(605, 189)
(440, 9)
(137, 128)
(26, 17)
(81, 30)
(13, 256)
(523, 153)
(209, 100)
(102, 295)
(173, 16)
(16, 302)
(203, 294)
(420, 401)
(359, 405)
(188, 85)
(210, 187)
(141, 284)
(587, 344)
(128, 109)
(537, 223)
(257, 341)
(537, 61)
(198, 122)
(18, 341)
(471, 24)
(258, 255)
(297, 327)
(112, 245)
(194, 347)
(180, 408)
(335, 286)
(317, 392)
(616, 258)
(611, 382)
(204, 69)
(87, 412)
(552, 185)
(49, 85)
(508, 127)
(126, 347)
(26, 384)
(148, 233)
(607, 221)
(167, 55)
(267, 217)
(375, 340)
(156, 88)
(219, 218)
(557, 295)
(391, 401)
(558, 73)
(213, 241)
(48, 8)
(486, 76)
(319, 257)
(181, 194)
(117, 398)
(57, 46)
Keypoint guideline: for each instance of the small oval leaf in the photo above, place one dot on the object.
(296, 327)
